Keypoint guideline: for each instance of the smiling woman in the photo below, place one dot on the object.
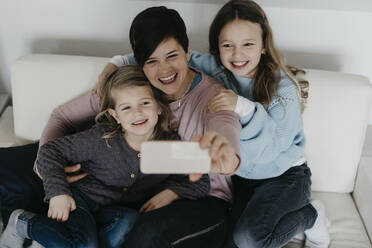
(167, 69)
(162, 52)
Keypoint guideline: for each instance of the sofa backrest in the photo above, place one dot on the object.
(335, 118)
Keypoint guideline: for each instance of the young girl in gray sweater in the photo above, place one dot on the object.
(132, 112)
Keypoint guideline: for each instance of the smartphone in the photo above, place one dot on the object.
(173, 157)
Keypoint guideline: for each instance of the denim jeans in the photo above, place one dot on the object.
(80, 229)
(184, 223)
(269, 212)
(114, 223)
(20, 187)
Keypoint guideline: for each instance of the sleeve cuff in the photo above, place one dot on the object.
(119, 60)
(244, 106)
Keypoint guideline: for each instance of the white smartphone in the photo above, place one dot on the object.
(173, 157)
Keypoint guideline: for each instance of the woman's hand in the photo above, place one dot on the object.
(225, 100)
(72, 169)
(224, 159)
(109, 68)
(161, 199)
(60, 207)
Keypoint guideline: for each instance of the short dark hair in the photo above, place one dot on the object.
(151, 27)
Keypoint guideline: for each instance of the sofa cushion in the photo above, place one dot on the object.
(41, 82)
(347, 229)
(335, 121)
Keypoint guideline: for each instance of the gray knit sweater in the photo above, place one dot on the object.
(113, 171)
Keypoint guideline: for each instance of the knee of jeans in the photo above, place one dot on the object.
(88, 244)
(144, 234)
(114, 234)
(244, 238)
(82, 241)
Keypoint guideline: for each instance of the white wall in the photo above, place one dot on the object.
(308, 36)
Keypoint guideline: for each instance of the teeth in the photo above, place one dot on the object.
(138, 122)
(239, 63)
(170, 78)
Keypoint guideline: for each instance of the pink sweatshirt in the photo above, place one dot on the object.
(189, 112)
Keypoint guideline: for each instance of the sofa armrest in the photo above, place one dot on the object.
(363, 191)
(7, 137)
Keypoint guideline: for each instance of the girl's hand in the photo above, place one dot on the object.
(224, 159)
(109, 68)
(225, 100)
(60, 207)
(161, 199)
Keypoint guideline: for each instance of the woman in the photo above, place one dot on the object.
(162, 51)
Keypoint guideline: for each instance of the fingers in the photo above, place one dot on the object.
(73, 168)
(195, 177)
(216, 146)
(72, 179)
(206, 140)
(196, 138)
(146, 207)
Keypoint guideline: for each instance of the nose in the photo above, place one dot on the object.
(138, 110)
(237, 52)
(164, 67)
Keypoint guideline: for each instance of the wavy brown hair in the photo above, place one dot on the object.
(267, 77)
(129, 76)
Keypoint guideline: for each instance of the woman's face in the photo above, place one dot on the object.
(167, 68)
(241, 47)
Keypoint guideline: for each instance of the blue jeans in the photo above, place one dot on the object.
(80, 229)
(114, 223)
(269, 212)
(20, 187)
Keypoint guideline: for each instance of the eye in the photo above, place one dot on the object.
(125, 108)
(151, 61)
(248, 44)
(172, 55)
(226, 45)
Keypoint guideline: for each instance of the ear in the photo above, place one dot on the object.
(113, 113)
(263, 51)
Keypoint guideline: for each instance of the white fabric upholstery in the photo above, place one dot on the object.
(335, 123)
(347, 230)
(7, 130)
(363, 191)
(42, 82)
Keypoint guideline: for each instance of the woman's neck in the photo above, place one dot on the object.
(186, 85)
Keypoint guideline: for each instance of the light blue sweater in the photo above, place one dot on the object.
(272, 140)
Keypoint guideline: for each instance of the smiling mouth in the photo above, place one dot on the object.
(140, 122)
(239, 64)
(169, 80)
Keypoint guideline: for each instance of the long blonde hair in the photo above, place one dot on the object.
(267, 77)
(127, 76)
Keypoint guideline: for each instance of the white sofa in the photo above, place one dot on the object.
(335, 123)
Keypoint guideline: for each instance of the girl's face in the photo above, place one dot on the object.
(136, 110)
(167, 68)
(241, 46)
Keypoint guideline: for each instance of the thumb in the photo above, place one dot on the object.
(195, 177)
(72, 205)
(196, 138)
